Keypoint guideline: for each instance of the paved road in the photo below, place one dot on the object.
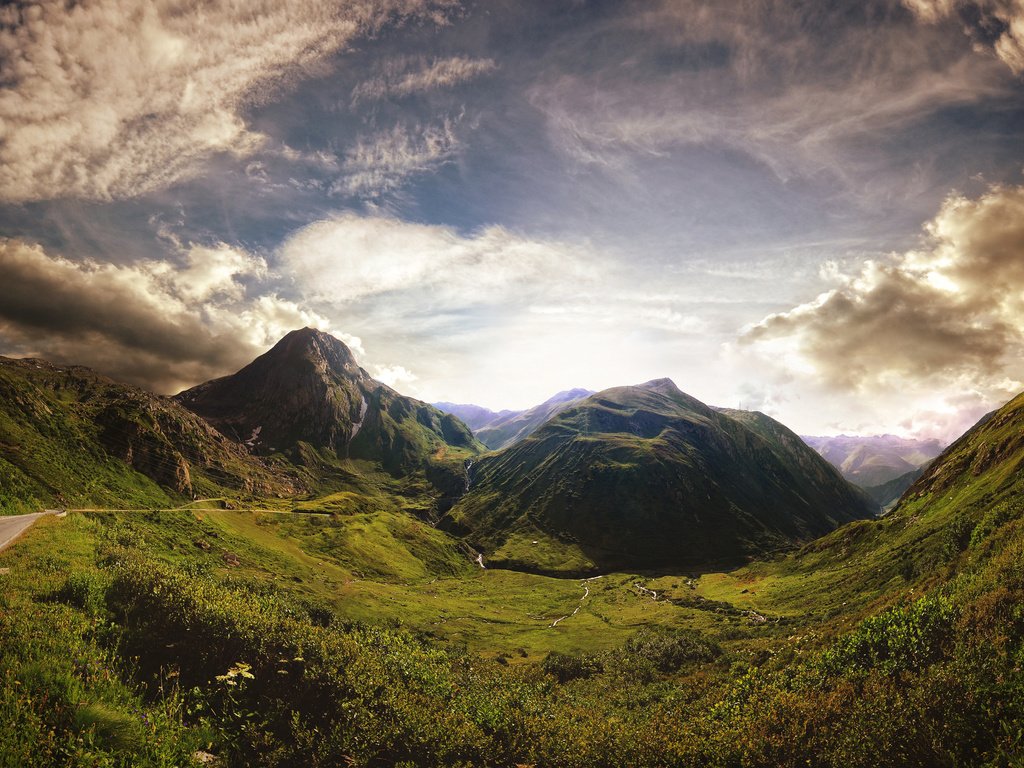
(12, 527)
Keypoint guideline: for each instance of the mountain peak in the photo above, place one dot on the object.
(663, 386)
(566, 395)
(315, 346)
(309, 389)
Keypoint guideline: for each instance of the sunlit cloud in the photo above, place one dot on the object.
(383, 161)
(942, 322)
(114, 98)
(996, 25)
(404, 76)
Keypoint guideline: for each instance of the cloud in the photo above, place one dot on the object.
(803, 91)
(350, 258)
(113, 98)
(393, 375)
(383, 161)
(938, 323)
(405, 76)
(996, 25)
(489, 315)
(151, 323)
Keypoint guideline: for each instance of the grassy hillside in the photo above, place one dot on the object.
(645, 477)
(355, 633)
(70, 437)
(279, 640)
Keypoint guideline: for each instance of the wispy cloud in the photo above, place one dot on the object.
(796, 90)
(114, 98)
(382, 162)
(405, 76)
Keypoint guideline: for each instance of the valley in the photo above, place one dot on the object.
(640, 580)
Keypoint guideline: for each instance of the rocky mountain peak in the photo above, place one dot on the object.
(309, 345)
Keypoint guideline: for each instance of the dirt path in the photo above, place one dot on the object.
(645, 592)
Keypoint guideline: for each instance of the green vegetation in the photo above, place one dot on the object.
(648, 477)
(143, 636)
(69, 437)
(341, 624)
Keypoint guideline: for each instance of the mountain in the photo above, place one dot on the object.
(474, 416)
(647, 476)
(71, 437)
(510, 429)
(308, 392)
(886, 494)
(982, 466)
(875, 459)
(502, 429)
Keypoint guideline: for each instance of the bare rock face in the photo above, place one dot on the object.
(309, 389)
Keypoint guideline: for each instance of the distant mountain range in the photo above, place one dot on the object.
(647, 476)
(501, 429)
(875, 459)
(883, 465)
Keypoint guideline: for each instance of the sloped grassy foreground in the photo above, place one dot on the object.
(113, 653)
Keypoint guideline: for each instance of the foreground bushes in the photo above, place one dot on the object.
(133, 662)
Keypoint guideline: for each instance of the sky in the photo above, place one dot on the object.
(814, 209)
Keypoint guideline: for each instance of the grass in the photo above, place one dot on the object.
(691, 678)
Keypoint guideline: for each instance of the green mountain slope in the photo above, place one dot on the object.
(69, 436)
(648, 477)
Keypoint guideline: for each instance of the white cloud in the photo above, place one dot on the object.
(490, 316)
(113, 98)
(351, 257)
(393, 375)
(924, 329)
(383, 161)
(403, 77)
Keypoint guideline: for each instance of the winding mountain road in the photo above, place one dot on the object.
(12, 527)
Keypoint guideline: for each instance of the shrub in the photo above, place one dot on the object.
(668, 651)
(86, 590)
(905, 638)
(566, 666)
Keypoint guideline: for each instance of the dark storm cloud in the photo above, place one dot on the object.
(150, 323)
